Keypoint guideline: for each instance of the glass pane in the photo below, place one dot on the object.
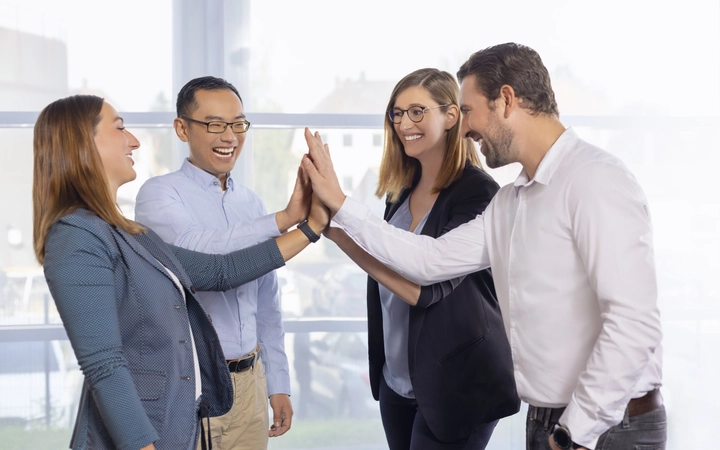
(349, 63)
(53, 49)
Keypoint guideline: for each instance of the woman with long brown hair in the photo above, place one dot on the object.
(440, 362)
(150, 356)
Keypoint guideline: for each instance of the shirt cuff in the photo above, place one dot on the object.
(277, 383)
(584, 430)
(266, 226)
(351, 214)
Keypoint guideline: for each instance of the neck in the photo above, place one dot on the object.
(539, 134)
(430, 166)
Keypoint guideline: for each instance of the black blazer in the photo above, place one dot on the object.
(460, 363)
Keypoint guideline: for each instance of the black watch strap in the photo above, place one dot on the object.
(305, 228)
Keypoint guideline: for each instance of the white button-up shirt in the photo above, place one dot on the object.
(573, 264)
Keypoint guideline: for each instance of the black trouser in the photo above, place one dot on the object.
(406, 429)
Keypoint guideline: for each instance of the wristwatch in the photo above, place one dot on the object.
(562, 438)
(305, 228)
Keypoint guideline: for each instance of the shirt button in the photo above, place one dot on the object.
(182, 341)
(516, 367)
(177, 306)
(512, 324)
(185, 378)
(216, 182)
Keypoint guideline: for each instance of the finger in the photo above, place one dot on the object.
(310, 169)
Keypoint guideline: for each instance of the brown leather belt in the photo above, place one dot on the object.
(648, 402)
(637, 406)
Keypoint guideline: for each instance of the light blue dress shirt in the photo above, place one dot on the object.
(188, 208)
(396, 319)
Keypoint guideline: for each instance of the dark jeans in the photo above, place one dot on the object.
(643, 432)
(406, 429)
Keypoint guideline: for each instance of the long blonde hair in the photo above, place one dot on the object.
(68, 172)
(397, 170)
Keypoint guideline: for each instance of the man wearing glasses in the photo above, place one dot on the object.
(200, 207)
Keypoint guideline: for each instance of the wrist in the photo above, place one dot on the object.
(336, 204)
(562, 438)
(282, 221)
(311, 229)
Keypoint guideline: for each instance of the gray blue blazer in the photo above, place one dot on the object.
(130, 329)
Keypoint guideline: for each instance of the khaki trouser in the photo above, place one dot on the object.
(246, 425)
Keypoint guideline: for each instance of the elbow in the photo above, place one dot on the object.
(99, 367)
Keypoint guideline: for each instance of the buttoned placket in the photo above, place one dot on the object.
(515, 239)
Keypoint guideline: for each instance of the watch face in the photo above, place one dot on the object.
(562, 437)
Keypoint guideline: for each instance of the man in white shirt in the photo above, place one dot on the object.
(570, 247)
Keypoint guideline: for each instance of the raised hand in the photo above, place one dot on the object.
(319, 215)
(298, 206)
(318, 166)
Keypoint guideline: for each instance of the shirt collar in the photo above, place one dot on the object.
(550, 162)
(203, 178)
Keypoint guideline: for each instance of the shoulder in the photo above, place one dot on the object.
(169, 179)
(473, 184)
(474, 175)
(79, 231)
(588, 166)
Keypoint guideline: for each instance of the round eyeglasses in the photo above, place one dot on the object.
(415, 113)
(220, 127)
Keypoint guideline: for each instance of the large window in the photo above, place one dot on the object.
(640, 79)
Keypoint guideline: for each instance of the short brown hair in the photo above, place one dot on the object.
(397, 169)
(68, 171)
(517, 66)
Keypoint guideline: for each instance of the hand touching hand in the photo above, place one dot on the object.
(318, 166)
(319, 215)
(298, 206)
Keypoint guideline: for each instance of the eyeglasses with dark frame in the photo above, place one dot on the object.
(217, 127)
(415, 113)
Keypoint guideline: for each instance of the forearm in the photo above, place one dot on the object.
(406, 290)
(285, 221)
(420, 259)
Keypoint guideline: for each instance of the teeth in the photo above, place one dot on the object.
(413, 137)
(223, 151)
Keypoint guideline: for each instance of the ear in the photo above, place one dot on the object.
(181, 129)
(507, 100)
(451, 117)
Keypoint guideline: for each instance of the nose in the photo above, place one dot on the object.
(464, 126)
(132, 140)
(228, 135)
(405, 122)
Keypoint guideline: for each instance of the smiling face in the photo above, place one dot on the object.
(214, 153)
(484, 125)
(115, 145)
(427, 138)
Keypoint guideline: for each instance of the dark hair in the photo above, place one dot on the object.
(517, 66)
(68, 172)
(397, 169)
(186, 103)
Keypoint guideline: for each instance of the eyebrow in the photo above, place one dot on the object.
(241, 116)
(120, 119)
